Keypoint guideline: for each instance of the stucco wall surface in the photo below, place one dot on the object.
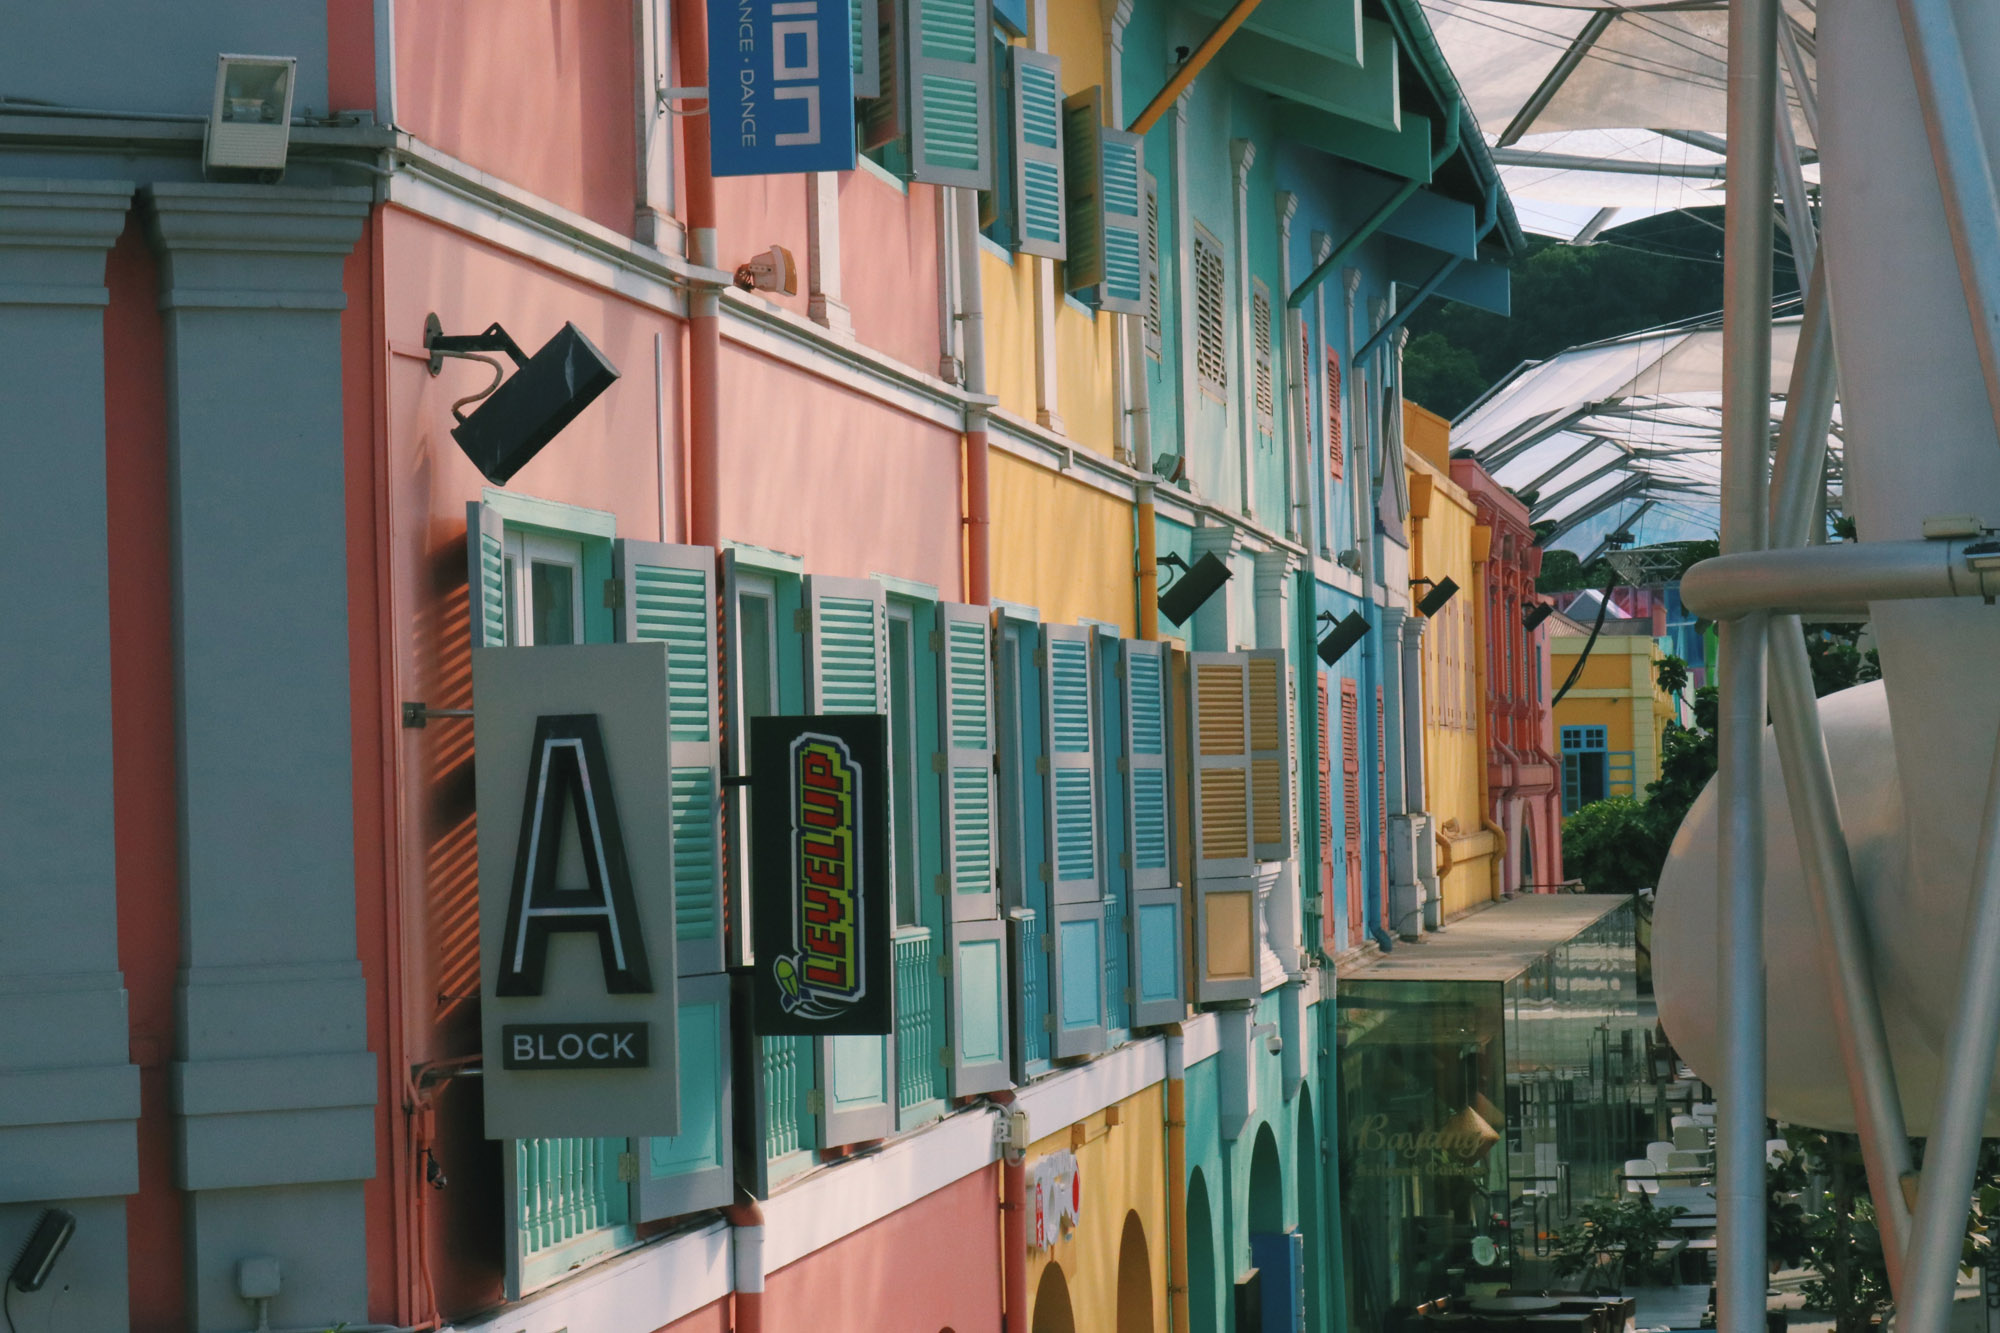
(1060, 546)
(1124, 1171)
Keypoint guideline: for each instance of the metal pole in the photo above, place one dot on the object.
(1965, 172)
(1746, 439)
(1799, 223)
(1951, 1154)
(1799, 471)
(1843, 939)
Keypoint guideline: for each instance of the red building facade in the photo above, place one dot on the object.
(1524, 796)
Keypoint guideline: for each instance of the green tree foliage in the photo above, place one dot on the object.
(1671, 672)
(1615, 1242)
(1612, 847)
(1651, 272)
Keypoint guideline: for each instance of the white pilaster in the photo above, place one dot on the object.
(1242, 156)
(823, 302)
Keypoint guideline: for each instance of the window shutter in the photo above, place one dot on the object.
(1328, 920)
(667, 595)
(950, 92)
(1115, 842)
(1154, 915)
(692, 1170)
(865, 46)
(1106, 205)
(1336, 455)
(1076, 886)
(1271, 754)
(1040, 224)
(1350, 784)
(1226, 966)
(1152, 262)
(885, 117)
(1260, 322)
(486, 575)
(974, 932)
(1024, 894)
(1211, 356)
(1382, 807)
(847, 671)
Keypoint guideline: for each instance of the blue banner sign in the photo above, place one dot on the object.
(780, 87)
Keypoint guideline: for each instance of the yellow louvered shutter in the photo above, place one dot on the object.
(1226, 928)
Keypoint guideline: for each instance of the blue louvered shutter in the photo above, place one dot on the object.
(1076, 885)
(1040, 219)
(1114, 838)
(486, 575)
(950, 93)
(1225, 900)
(693, 1169)
(864, 47)
(666, 594)
(977, 961)
(1105, 198)
(1154, 911)
(847, 671)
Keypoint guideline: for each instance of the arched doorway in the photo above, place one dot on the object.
(1310, 1222)
(1271, 1250)
(1267, 1184)
(1201, 1259)
(1052, 1311)
(1135, 1279)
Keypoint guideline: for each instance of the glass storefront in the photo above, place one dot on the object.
(1491, 1083)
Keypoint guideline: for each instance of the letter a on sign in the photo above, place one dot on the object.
(567, 774)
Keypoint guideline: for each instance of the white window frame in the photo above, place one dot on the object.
(523, 550)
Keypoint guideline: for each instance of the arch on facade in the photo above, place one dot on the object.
(1267, 1184)
(1135, 1278)
(1202, 1315)
(1052, 1308)
(1311, 1224)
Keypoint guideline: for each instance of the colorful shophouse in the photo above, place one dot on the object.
(1026, 356)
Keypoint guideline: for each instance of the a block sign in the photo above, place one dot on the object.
(576, 921)
(780, 87)
(819, 861)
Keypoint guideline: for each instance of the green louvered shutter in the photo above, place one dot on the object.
(1155, 909)
(950, 93)
(1104, 184)
(486, 575)
(847, 671)
(977, 966)
(1040, 220)
(1225, 901)
(692, 1170)
(885, 117)
(1114, 862)
(864, 47)
(667, 595)
(1076, 885)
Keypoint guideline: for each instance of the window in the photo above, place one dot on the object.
(1211, 358)
(1153, 327)
(1336, 456)
(1260, 321)
(903, 763)
(545, 576)
(1586, 771)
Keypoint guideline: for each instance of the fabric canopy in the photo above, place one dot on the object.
(1622, 435)
(1625, 101)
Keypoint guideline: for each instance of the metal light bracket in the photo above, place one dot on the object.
(418, 714)
(441, 344)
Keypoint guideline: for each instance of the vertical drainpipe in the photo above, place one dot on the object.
(1177, 1241)
(746, 1221)
(1013, 1226)
(1144, 524)
(1482, 564)
(978, 515)
(704, 302)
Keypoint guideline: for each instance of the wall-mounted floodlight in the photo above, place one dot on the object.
(515, 419)
(1343, 637)
(1536, 614)
(1196, 585)
(1433, 601)
(250, 121)
(45, 1244)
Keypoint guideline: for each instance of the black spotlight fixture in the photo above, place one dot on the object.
(1196, 585)
(45, 1244)
(516, 418)
(1342, 637)
(1536, 614)
(1433, 601)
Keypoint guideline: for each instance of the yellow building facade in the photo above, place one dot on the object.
(1441, 547)
(1107, 1266)
(1610, 725)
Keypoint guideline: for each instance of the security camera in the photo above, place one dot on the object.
(772, 271)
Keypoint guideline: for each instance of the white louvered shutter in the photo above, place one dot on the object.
(1154, 916)
(1076, 884)
(977, 961)
(950, 94)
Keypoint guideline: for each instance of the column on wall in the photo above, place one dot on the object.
(1242, 156)
(275, 1086)
(825, 304)
(72, 1098)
